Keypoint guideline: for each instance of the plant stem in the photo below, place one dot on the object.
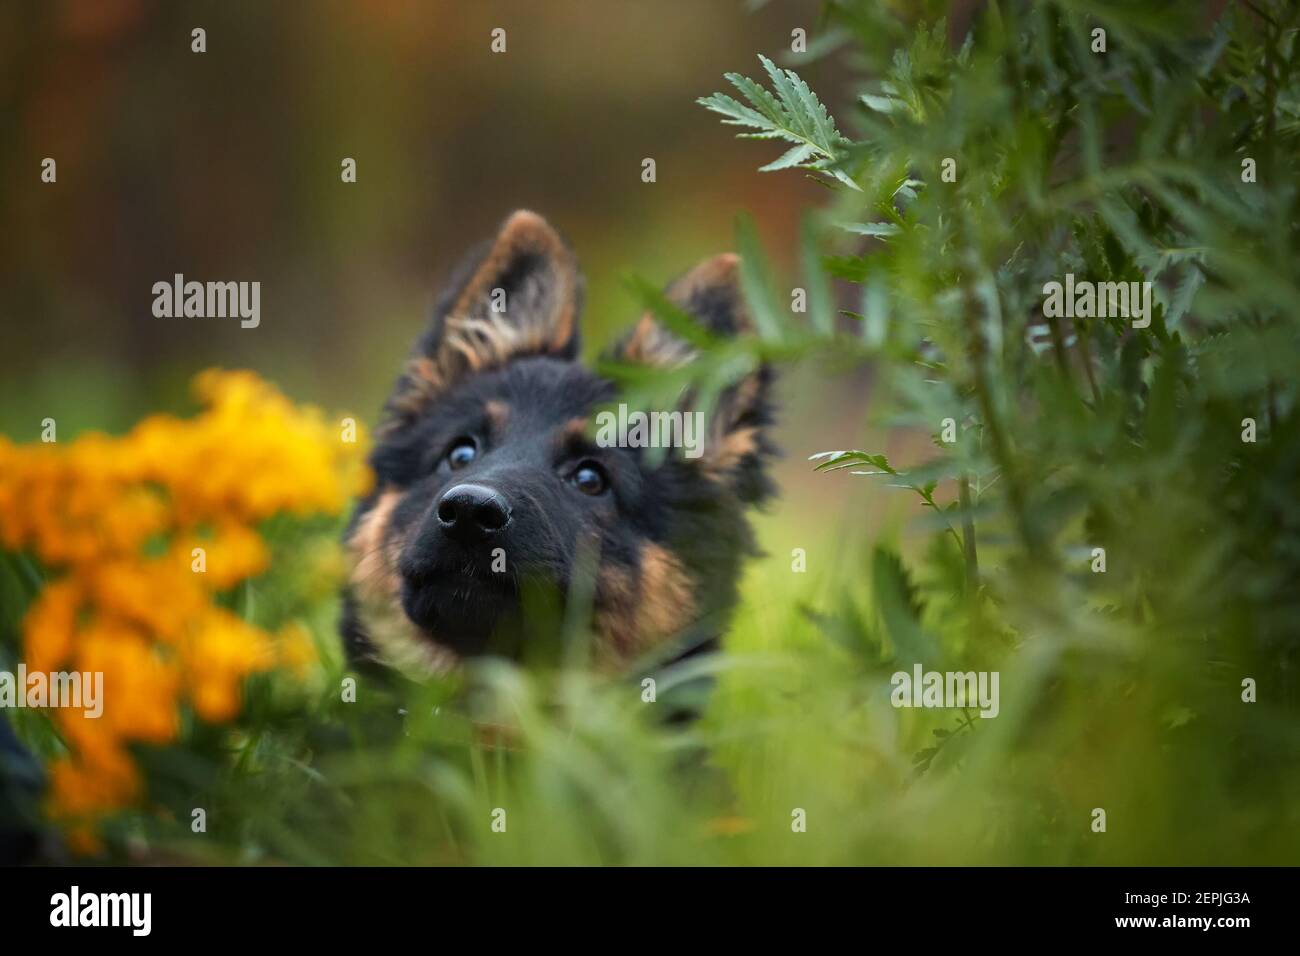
(1001, 448)
(968, 536)
(1085, 346)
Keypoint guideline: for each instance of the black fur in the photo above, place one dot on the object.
(669, 537)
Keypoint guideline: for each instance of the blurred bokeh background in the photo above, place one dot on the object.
(225, 165)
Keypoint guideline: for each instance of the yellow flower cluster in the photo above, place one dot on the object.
(139, 534)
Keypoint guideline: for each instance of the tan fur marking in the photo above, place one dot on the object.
(498, 413)
(424, 382)
(746, 397)
(377, 589)
(653, 345)
(633, 614)
(426, 372)
(615, 612)
(575, 429)
(728, 443)
(721, 270)
(372, 570)
(667, 601)
(729, 449)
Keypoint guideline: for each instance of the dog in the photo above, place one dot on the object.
(488, 482)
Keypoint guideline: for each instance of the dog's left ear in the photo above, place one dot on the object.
(518, 294)
(737, 443)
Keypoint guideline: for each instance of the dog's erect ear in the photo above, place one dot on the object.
(737, 442)
(517, 295)
(710, 293)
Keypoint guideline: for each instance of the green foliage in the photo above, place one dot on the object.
(793, 114)
(1074, 434)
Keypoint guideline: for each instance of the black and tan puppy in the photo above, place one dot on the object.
(488, 480)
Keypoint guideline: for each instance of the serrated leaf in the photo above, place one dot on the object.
(792, 113)
(736, 112)
(900, 609)
(792, 157)
(763, 101)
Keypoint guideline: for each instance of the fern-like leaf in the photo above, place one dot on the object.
(793, 114)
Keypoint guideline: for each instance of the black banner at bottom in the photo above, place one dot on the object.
(333, 906)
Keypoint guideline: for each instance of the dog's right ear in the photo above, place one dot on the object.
(518, 294)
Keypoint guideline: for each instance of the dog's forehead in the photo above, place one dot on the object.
(541, 394)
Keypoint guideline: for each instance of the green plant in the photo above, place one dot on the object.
(1122, 525)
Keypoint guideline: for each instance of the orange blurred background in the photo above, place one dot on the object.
(225, 165)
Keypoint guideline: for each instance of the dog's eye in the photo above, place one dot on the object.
(590, 478)
(463, 451)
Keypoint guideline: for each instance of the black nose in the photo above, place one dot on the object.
(470, 513)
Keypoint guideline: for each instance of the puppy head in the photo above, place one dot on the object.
(490, 480)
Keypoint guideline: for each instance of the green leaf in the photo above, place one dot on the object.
(881, 104)
(839, 460)
(753, 281)
(669, 315)
(880, 230)
(900, 609)
(794, 156)
(821, 306)
(793, 114)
